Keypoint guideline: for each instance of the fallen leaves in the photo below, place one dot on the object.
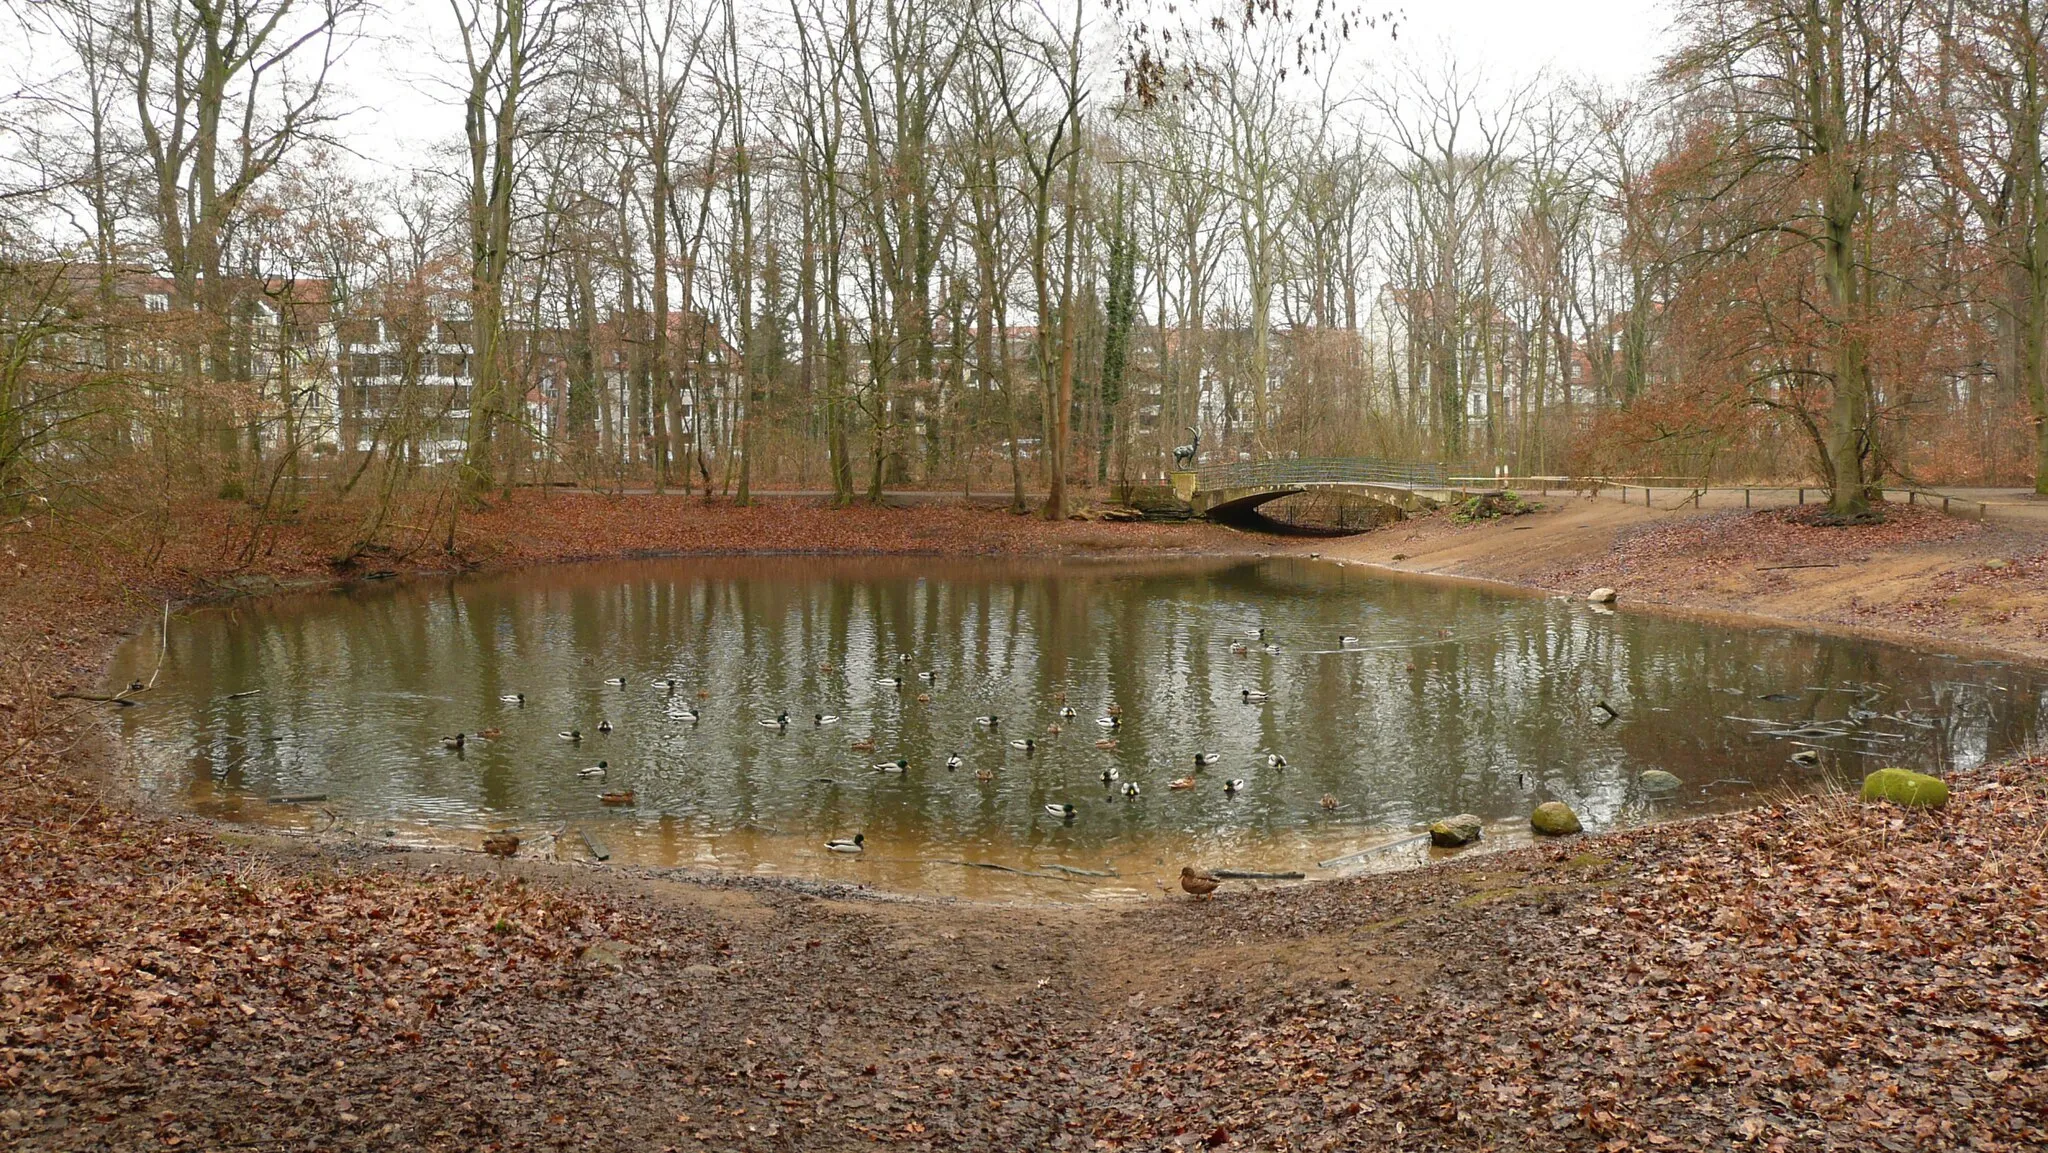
(1815, 973)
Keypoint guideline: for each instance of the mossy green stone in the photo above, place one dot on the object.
(1452, 832)
(1905, 787)
(1555, 819)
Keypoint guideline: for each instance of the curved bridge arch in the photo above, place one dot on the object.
(1221, 490)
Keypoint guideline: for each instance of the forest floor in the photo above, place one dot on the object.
(1815, 972)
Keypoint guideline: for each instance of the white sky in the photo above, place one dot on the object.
(402, 109)
(402, 112)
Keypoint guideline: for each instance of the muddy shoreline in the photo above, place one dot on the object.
(1789, 975)
(1481, 555)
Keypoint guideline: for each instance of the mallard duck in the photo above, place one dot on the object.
(984, 775)
(844, 845)
(896, 766)
(1106, 743)
(1329, 800)
(501, 844)
(1207, 758)
(864, 745)
(1233, 786)
(455, 742)
(1115, 710)
(1131, 789)
(1197, 884)
(1027, 744)
(779, 721)
(987, 722)
(1054, 729)
(703, 694)
(571, 735)
(668, 683)
(1110, 722)
(597, 770)
(616, 682)
(513, 698)
(690, 715)
(1346, 641)
(1239, 648)
(489, 734)
(1181, 783)
(1270, 649)
(1109, 774)
(889, 682)
(954, 762)
(928, 676)
(622, 797)
(825, 667)
(924, 698)
(1068, 712)
(1275, 761)
(823, 719)
(604, 726)
(1252, 695)
(1063, 812)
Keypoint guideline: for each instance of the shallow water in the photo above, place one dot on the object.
(1452, 699)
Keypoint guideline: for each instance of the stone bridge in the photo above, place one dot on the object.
(1220, 490)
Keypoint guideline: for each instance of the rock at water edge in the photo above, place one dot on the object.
(1905, 787)
(1555, 819)
(1659, 781)
(1601, 596)
(1452, 832)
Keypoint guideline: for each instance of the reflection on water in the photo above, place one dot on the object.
(1450, 699)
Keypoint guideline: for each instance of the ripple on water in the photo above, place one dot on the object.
(1450, 699)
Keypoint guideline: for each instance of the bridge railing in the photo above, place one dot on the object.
(1318, 470)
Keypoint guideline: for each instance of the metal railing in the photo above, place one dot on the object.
(1318, 471)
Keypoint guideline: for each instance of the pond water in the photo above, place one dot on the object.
(1449, 699)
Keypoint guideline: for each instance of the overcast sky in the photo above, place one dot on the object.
(396, 84)
(402, 110)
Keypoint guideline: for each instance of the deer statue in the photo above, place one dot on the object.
(1184, 454)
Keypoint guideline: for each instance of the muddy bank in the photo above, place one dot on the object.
(1920, 578)
(1818, 973)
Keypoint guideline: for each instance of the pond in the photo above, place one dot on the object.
(1392, 700)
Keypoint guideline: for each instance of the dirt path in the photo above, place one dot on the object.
(1819, 973)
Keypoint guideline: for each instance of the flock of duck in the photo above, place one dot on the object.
(1111, 722)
